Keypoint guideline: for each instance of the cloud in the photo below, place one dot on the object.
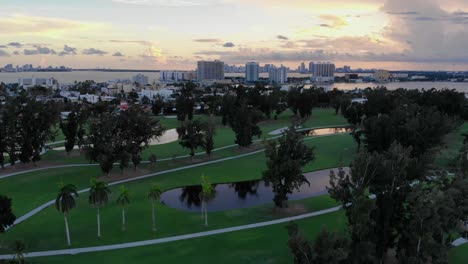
(289, 45)
(228, 45)
(39, 50)
(333, 21)
(4, 53)
(16, 52)
(30, 52)
(141, 42)
(207, 40)
(433, 34)
(67, 50)
(3, 46)
(93, 51)
(44, 50)
(118, 54)
(282, 37)
(324, 25)
(174, 3)
(23, 25)
(403, 13)
(15, 44)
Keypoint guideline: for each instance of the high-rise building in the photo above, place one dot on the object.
(323, 71)
(210, 70)
(251, 72)
(347, 68)
(140, 79)
(177, 76)
(278, 75)
(302, 68)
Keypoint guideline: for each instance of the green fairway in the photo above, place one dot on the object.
(453, 143)
(82, 219)
(260, 245)
(459, 255)
(224, 134)
(46, 231)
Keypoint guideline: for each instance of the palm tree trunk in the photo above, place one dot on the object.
(203, 209)
(123, 218)
(98, 222)
(206, 214)
(67, 229)
(154, 218)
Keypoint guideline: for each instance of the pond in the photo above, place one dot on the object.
(230, 196)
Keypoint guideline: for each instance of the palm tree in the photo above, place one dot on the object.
(154, 195)
(64, 202)
(98, 197)
(122, 200)
(18, 249)
(207, 193)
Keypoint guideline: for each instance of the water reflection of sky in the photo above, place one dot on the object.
(232, 196)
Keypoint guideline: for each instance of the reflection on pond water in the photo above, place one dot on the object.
(238, 195)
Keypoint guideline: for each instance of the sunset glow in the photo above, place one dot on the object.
(160, 34)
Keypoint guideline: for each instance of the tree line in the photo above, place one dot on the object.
(399, 205)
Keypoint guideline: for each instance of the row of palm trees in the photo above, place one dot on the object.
(98, 197)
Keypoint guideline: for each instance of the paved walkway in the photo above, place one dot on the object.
(50, 203)
(173, 238)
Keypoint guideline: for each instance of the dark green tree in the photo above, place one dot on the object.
(209, 133)
(284, 165)
(243, 121)
(7, 218)
(191, 135)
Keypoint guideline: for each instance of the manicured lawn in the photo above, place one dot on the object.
(459, 255)
(260, 245)
(453, 143)
(224, 134)
(82, 219)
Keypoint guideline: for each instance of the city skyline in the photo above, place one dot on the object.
(160, 34)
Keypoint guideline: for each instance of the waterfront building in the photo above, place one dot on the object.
(251, 72)
(177, 76)
(382, 76)
(322, 71)
(140, 79)
(278, 75)
(210, 70)
(33, 81)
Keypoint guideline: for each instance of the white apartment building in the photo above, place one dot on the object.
(251, 72)
(140, 79)
(278, 75)
(322, 71)
(177, 76)
(210, 70)
(33, 81)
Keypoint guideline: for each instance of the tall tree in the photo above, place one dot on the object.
(191, 135)
(244, 122)
(154, 195)
(210, 132)
(65, 202)
(285, 163)
(73, 127)
(98, 197)
(328, 248)
(123, 200)
(7, 218)
(185, 102)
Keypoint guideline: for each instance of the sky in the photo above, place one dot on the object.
(174, 34)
